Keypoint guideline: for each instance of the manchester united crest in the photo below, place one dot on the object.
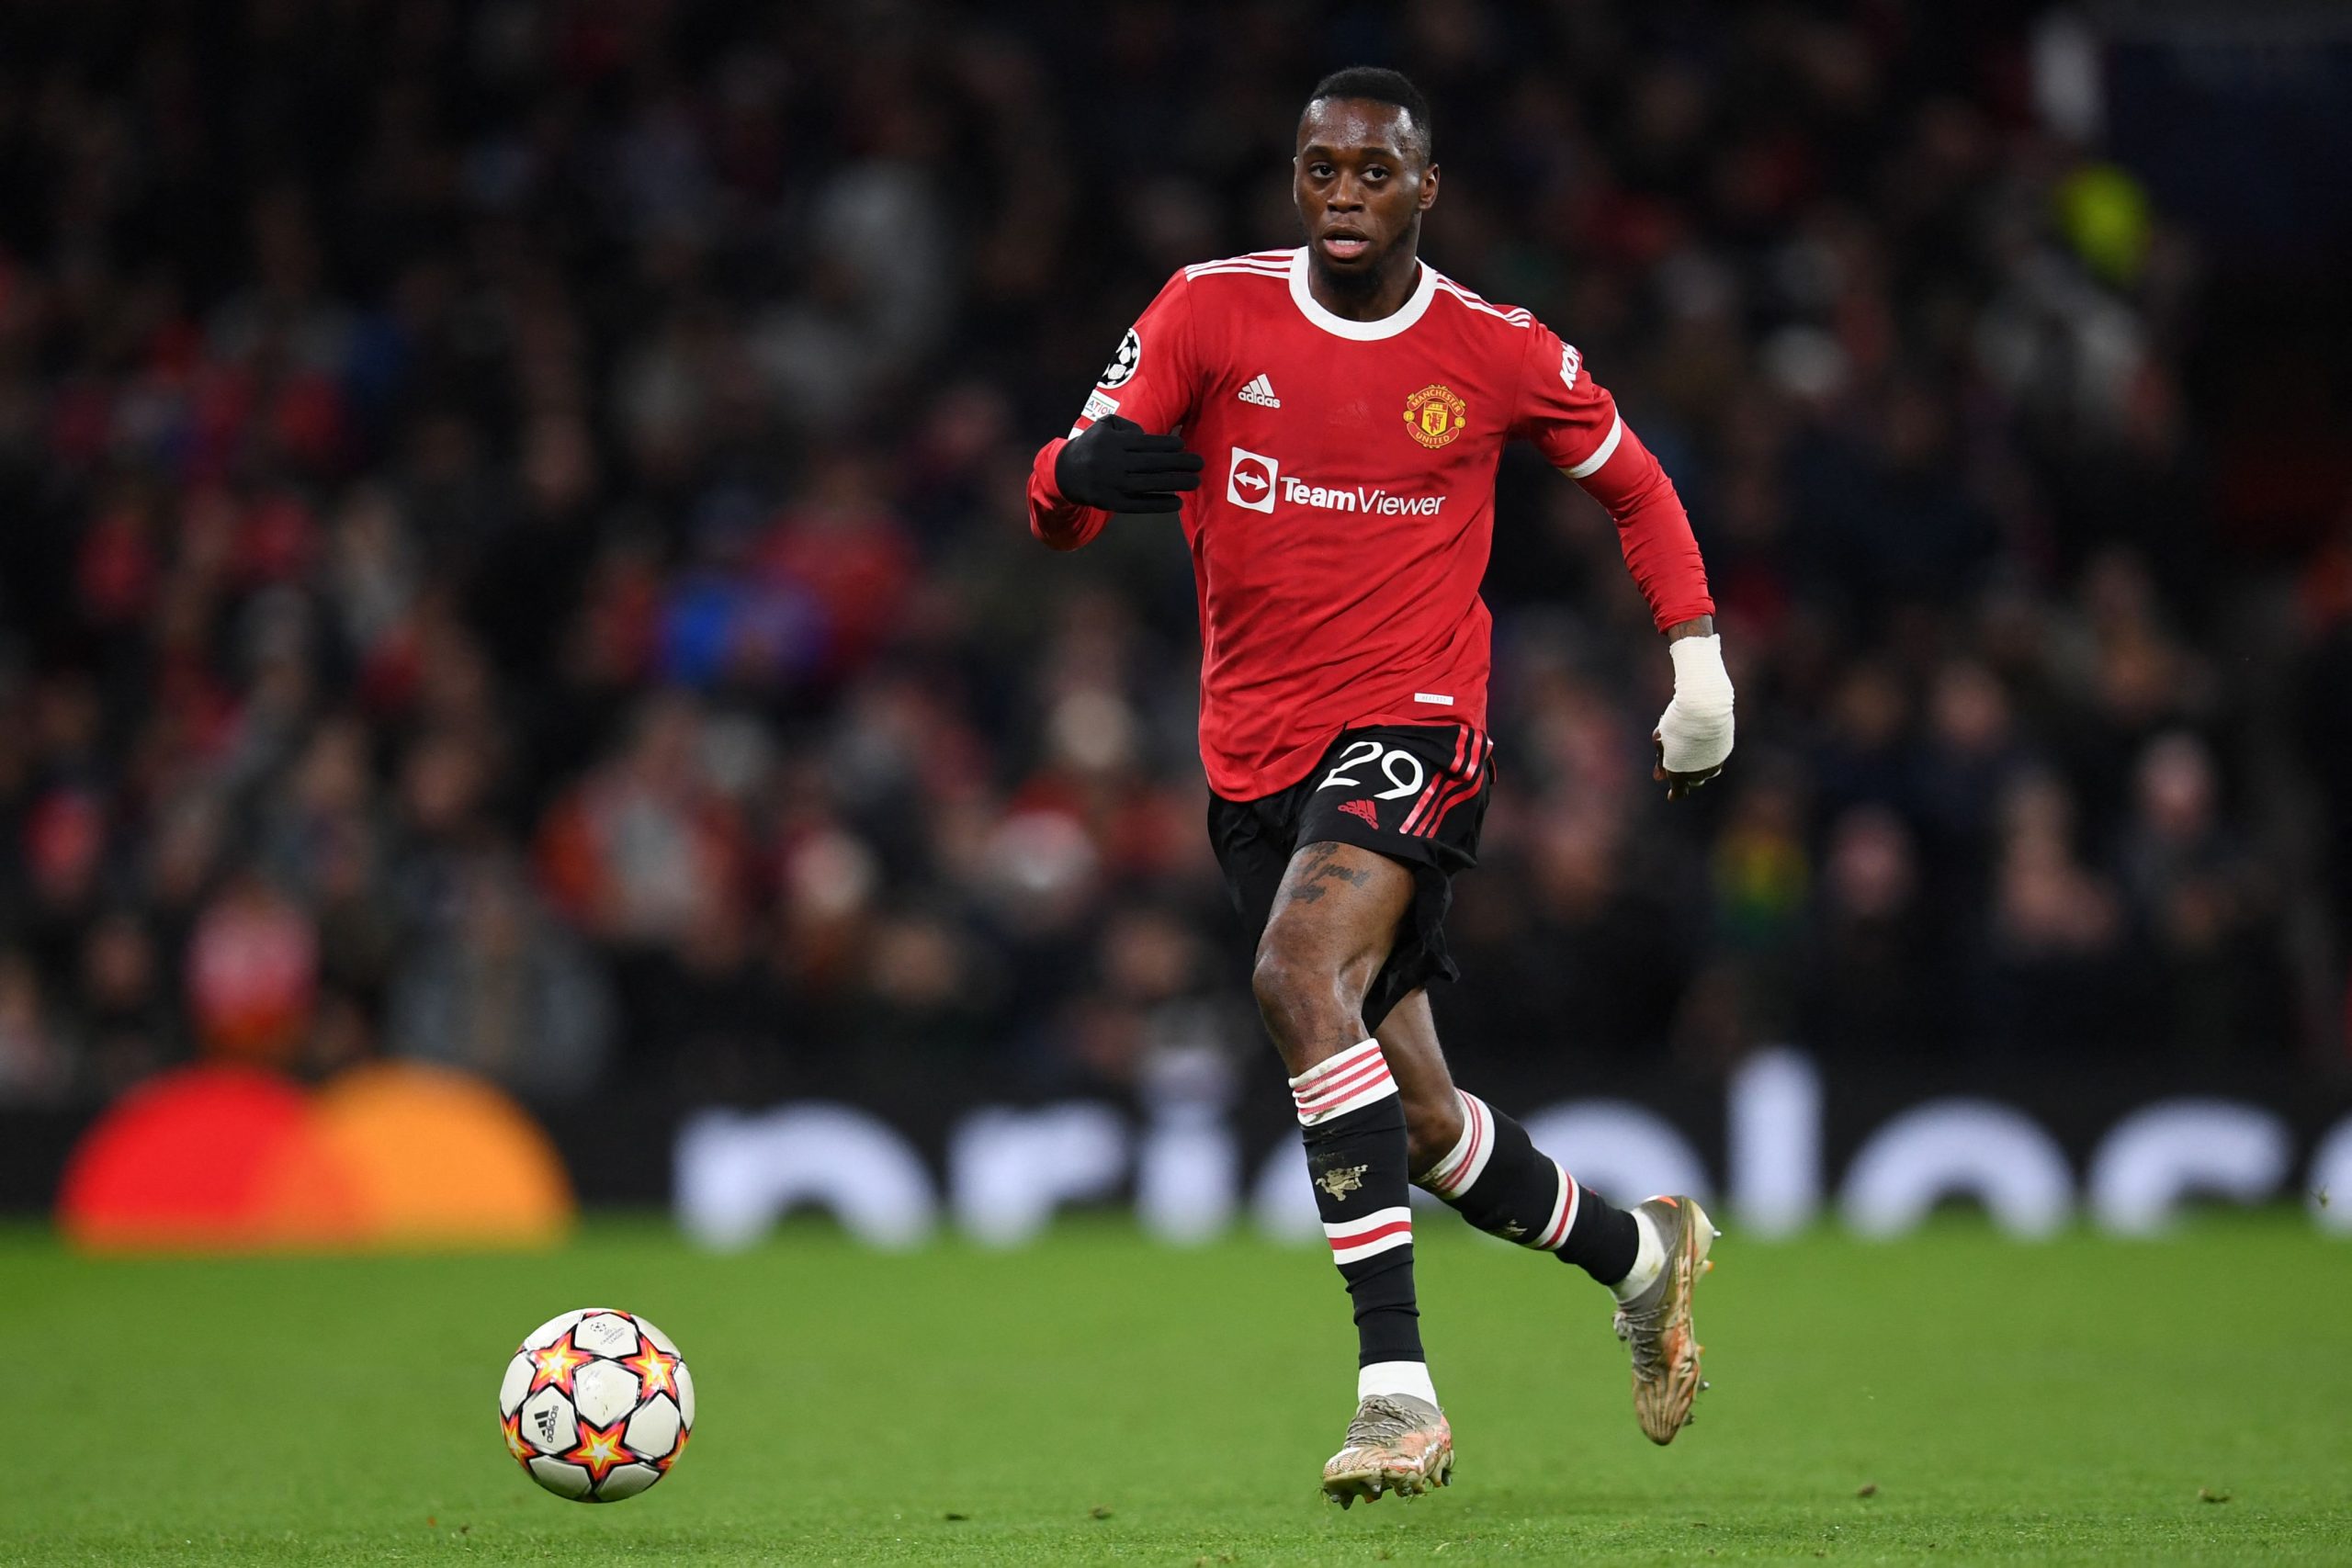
(1341, 1180)
(1434, 416)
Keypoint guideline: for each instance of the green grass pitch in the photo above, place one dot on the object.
(1096, 1399)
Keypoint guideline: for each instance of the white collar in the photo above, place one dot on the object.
(1362, 332)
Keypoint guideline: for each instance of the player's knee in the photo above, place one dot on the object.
(1298, 994)
(1281, 988)
(1432, 1126)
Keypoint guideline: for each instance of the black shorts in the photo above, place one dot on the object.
(1416, 792)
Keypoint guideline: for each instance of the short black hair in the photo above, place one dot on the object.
(1381, 85)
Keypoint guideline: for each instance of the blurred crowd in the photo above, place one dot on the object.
(511, 549)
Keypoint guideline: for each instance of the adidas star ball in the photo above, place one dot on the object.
(596, 1404)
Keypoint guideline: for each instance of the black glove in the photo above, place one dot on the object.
(1115, 465)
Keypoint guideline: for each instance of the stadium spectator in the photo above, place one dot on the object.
(588, 441)
(502, 989)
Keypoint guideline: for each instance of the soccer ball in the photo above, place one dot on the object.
(596, 1404)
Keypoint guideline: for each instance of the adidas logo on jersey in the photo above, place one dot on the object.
(1261, 392)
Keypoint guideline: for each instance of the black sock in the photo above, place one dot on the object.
(1354, 1127)
(1499, 1180)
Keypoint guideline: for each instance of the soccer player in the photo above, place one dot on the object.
(1347, 403)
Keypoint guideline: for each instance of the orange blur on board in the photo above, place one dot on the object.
(387, 1155)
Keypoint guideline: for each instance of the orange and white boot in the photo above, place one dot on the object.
(1399, 1443)
(1656, 1324)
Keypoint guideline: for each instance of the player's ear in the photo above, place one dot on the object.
(1428, 187)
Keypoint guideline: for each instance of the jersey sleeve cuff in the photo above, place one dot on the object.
(1057, 523)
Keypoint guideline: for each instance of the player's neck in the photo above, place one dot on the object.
(1368, 296)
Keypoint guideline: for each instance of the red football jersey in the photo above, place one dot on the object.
(1346, 510)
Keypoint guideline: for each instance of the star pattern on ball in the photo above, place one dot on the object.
(559, 1355)
(656, 1372)
(554, 1367)
(600, 1450)
(513, 1426)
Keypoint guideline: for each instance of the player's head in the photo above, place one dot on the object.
(1364, 171)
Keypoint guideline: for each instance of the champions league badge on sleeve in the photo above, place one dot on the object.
(1123, 364)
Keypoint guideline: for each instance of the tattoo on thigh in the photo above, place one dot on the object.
(1314, 870)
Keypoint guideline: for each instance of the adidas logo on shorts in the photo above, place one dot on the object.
(1261, 392)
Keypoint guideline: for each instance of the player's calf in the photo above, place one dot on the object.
(1649, 1256)
(1495, 1177)
(1433, 1126)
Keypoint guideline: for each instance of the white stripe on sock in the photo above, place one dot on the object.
(1331, 1066)
(1466, 1161)
(1564, 1214)
(1372, 1222)
(1355, 1079)
(1377, 1088)
(1344, 1252)
(1383, 1230)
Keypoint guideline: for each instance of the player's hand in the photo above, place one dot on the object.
(1115, 465)
(1677, 784)
(1693, 736)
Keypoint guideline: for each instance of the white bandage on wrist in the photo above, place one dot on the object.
(1696, 726)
